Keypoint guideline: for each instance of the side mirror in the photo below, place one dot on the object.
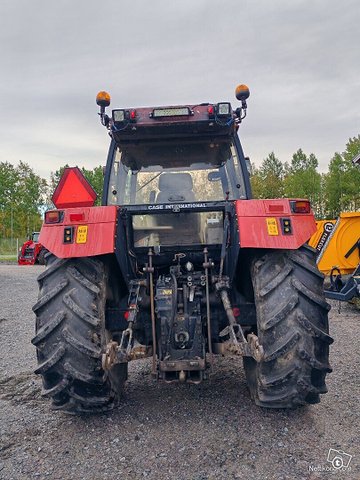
(248, 165)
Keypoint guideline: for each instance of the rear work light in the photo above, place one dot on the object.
(300, 206)
(54, 216)
(171, 112)
(118, 116)
(223, 110)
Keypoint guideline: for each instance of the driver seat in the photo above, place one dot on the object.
(178, 188)
(175, 187)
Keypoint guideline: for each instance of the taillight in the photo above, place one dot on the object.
(76, 217)
(211, 111)
(54, 216)
(300, 206)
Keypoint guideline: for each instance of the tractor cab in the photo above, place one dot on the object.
(176, 192)
(174, 172)
(34, 237)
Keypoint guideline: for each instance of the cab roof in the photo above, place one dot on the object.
(209, 120)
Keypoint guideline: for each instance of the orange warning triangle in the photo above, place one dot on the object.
(73, 190)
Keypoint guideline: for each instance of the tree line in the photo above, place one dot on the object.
(330, 193)
(24, 195)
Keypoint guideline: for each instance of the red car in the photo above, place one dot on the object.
(32, 251)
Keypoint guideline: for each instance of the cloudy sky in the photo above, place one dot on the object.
(300, 58)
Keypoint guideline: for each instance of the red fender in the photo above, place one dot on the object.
(93, 232)
(261, 224)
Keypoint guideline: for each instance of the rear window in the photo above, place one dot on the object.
(173, 173)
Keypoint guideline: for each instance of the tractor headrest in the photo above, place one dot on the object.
(178, 182)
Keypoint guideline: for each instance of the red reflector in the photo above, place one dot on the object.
(76, 217)
(53, 216)
(300, 206)
(126, 314)
(276, 208)
(132, 114)
(73, 190)
(236, 311)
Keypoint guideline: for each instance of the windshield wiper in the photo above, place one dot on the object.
(147, 183)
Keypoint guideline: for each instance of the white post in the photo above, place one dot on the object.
(12, 224)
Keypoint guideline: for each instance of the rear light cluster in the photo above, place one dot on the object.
(286, 226)
(68, 235)
(121, 116)
(54, 216)
(76, 217)
(57, 216)
(222, 110)
(300, 206)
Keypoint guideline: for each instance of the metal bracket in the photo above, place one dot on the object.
(237, 343)
(250, 348)
(114, 354)
(108, 358)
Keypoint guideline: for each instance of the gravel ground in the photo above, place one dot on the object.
(207, 431)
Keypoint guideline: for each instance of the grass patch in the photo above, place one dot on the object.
(8, 258)
(8, 246)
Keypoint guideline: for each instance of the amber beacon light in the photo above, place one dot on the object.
(103, 99)
(242, 92)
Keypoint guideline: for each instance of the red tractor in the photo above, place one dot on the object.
(32, 251)
(178, 264)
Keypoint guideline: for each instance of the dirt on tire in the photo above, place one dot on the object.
(70, 335)
(292, 328)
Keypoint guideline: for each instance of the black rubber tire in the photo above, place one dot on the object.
(292, 327)
(41, 257)
(70, 336)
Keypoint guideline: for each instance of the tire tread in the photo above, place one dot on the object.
(292, 326)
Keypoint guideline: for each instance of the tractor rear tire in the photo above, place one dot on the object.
(41, 257)
(70, 336)
(292, 327)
